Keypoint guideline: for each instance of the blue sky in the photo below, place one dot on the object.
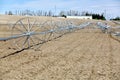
(111, 7)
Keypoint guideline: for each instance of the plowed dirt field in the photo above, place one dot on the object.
(86, 54)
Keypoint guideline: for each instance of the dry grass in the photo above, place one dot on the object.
(86, 54)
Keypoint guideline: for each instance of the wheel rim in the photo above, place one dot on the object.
(26, 26)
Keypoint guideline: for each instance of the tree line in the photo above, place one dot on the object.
(61, 13)
(116, 18)
(30, 13)
(84, 13)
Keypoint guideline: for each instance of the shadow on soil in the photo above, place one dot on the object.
(18, 51)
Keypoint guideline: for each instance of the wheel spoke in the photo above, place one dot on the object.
(17, 42)
(28, 29)
(19, 29)
(28, 42)
(25, 41)
(40, 26)
(33, 25)
(23, 25)
(32, 40)
(35, 37)
(36, 29)
(27, 26)
(49, 35)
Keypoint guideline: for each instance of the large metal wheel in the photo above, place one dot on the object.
(25, 28)
(54, 28)
(59, 28)
(48, 27)
(29, 32)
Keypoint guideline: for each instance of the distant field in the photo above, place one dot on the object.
(86, 54)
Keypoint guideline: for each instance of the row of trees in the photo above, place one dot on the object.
(50, 13)
(96, 16)
(30, 13)
(73, 13)
(76, 13)
(46, 13)
(116, 19)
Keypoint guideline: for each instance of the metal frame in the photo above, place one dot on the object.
(28, 32)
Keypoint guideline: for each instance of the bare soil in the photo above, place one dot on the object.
(86, 54)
